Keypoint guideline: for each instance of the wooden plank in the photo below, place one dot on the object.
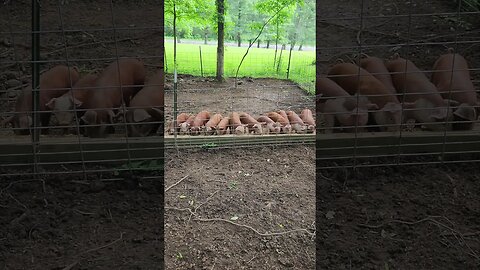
(18, 150)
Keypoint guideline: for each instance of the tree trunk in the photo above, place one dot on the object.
(276, 46)
(221, 33)
(268, 44)
(239, 18)
(300, 47)
(258, 43)
(205, 36)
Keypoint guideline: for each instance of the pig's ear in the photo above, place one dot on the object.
(451, 102)
(51, 103)
(90, 117)
(372, 106)
(140, 115)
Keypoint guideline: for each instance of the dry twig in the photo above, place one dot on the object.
(168, 188)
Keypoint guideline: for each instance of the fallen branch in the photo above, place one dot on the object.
(70, 266)
(453, 232)
(236, 224)
(251, 228)
(104, 246)
(168, 188)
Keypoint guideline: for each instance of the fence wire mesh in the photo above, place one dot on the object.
(100, 89)
(397, 84)
(271, 79)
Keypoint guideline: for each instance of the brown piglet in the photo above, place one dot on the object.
(53, 83)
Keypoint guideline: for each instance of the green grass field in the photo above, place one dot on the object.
(257, 64)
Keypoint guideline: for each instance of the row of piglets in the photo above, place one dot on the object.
(396, 92)
(206, 123)
(95, 100)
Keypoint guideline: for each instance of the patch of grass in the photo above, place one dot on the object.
(257, 64)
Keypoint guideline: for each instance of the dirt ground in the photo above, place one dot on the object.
(92, 224)
(268, 189)
(254, 96)
(406, 217)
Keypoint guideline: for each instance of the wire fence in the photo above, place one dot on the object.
(397, 88)
(271, 102)
(78, 96)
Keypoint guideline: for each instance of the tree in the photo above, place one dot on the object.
(221, 34)
(283, 10)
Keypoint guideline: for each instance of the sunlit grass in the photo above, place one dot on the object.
(259, 63)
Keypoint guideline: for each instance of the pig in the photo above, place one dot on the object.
(269, 126)
(377, 68)
(211, 125)
(340, 108)
(236, 125)
(253, 125)
(223, 126)
(65, 106)
(146, 107)
(276, 117)
(355, 79)
(200, 120)
(452, 78)
(288, 127)
(185, 126)
(115, 86)
(430, 108)
(181, 118)
(297, 123)
(307, 118)
(53, 83)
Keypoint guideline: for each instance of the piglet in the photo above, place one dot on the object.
(181, 118)
(430, 108)
(145, 112)
(308, 119)
(53, 83)
(200, 120)
(355, 79)
(276, 117)
(297, 123)
(211, 125)
(252, 124)
(288, 127)
(65, 106)
(115, 86)
(452, 78)
(377, 68)
(185, 126)
(236, 125)
(223, 126)
(340, 108)
(269, 126)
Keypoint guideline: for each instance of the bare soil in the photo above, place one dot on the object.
(254, 96)
(397, 217)
(268, 189)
